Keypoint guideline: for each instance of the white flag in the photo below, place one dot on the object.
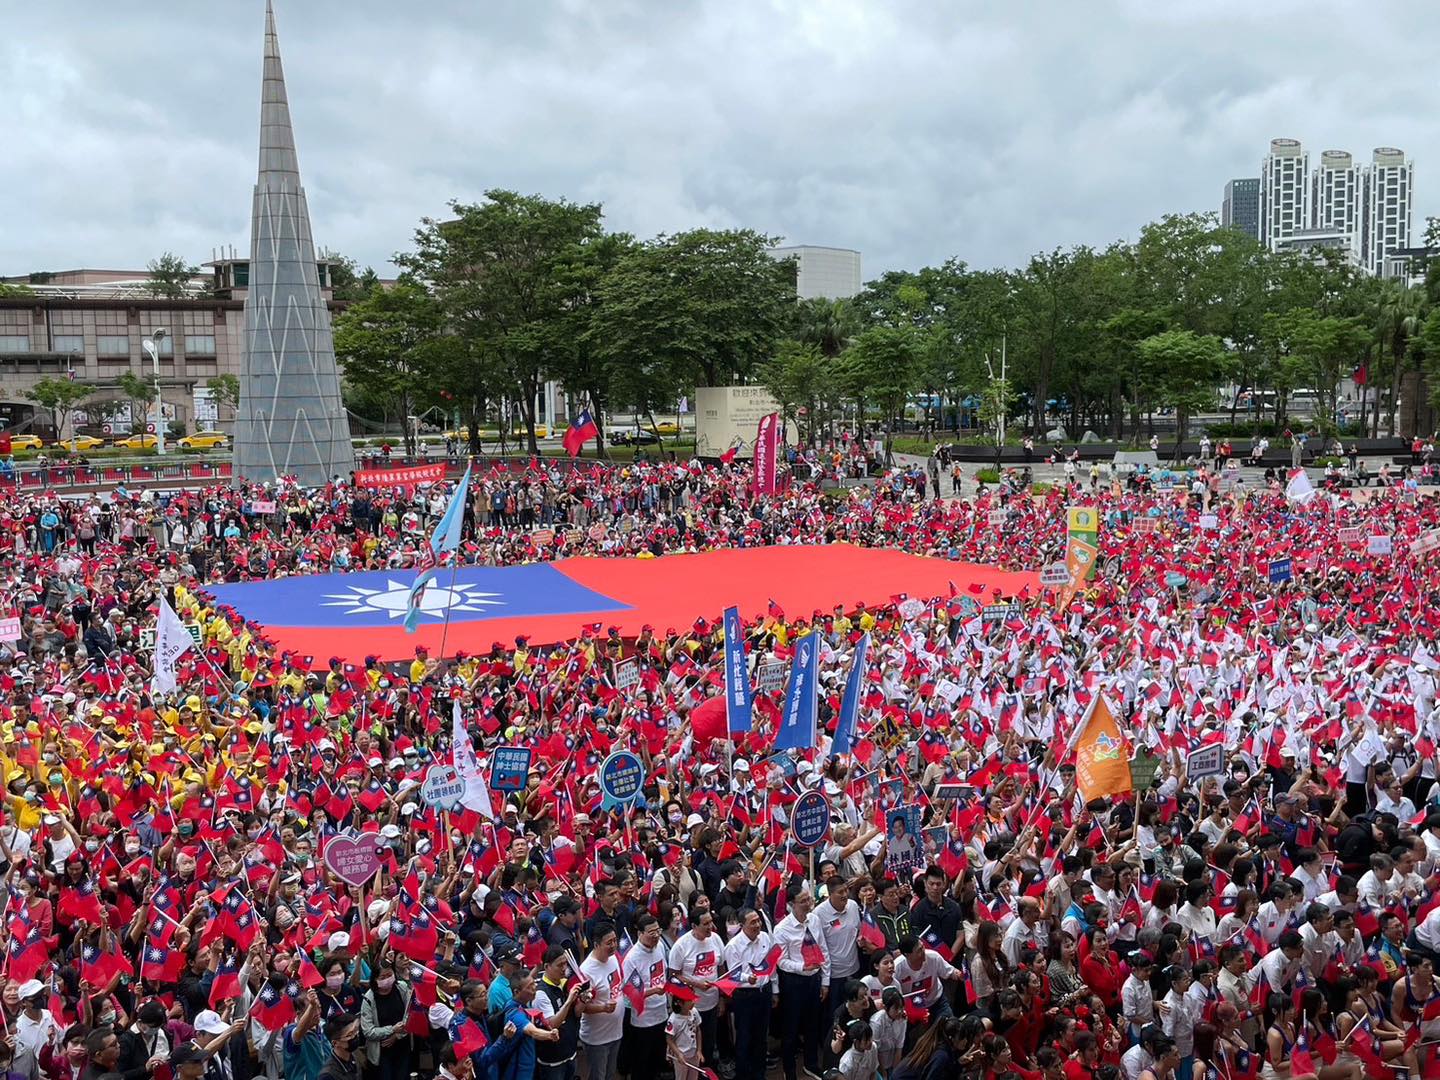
(477, 792)
(1299, 489)
(172, 640)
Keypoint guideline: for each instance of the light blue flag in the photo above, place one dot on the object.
(445, 539)
(738, 703)
(850, 703)
(797, 721)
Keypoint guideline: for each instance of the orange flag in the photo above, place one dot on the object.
(1102, 758)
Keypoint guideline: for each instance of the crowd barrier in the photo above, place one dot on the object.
(63, 477)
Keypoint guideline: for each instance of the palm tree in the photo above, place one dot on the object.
(1399, 312)
(826, 324)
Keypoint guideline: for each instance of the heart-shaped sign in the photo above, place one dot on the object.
(353, 858)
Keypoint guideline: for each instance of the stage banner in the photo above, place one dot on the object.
(738, 702)
(767, 450)
(408, 477)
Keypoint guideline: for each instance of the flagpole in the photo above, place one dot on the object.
(454, 570)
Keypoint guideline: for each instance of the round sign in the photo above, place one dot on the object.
(442, 788)
(621, 778)
(597, 532)
(108, 429)
(911, 608)
(810, 819)
(150, 429)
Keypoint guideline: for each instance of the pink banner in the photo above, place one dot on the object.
(767, 449)
(401, 477)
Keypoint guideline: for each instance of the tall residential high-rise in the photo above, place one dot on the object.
(1335, 198)
(1284, 191)
(291, 421)
(1241, 208)
(1388, 206)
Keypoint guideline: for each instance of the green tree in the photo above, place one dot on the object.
(387, 343)
(225, 389)
(59, 396)
(797, 378)
(1185, 367)
(1320, 349)
(882, 368)
(347, 281)
(705, 306)
(169, 276)
(495, 269)
(1398, 316)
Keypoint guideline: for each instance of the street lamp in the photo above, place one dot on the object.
(152, 346)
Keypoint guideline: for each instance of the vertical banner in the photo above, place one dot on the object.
(1082, 548)
(850, 703)
(1102, 760)
(737, 675)
(767, 449)
(797, 720)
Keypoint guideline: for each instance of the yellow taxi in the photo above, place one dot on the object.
(665, 427)
(26, 442)
(80, 442)
(202, 440)
(136, 442)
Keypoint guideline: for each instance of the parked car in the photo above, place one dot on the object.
(136, 442)
(667, 428)
(80, 442)
(635, 437)
(202, 440)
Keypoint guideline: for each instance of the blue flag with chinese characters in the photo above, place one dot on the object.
(797, 720)
(738, 699)
(850, 703)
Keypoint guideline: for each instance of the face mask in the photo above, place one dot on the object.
(107, 1018)
(334, 982)
(132, 849)
(56, 779)
(92, 845)
(675, 819)
(385, 982)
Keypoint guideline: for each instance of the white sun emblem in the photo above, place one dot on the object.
(436, 600)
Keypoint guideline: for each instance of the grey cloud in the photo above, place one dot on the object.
(912, 132)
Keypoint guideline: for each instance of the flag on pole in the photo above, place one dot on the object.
(1299, 489)
(738, 701)
(1102, 763)
(477, 792)
(172, 640)
(797, 722)
(850, 703)
(445, 540)
(579, 433)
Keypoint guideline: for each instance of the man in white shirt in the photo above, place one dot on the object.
(602, 1021)
(1317, 938)
(804, 980)
(35, 1028)
(1274, 914)
(645, 968)
(1019, 933)
(1375, 885)
(695, 960)
(1279, 966)
(920, 971)
(745, 959)
(840, 919)
(1310, 873)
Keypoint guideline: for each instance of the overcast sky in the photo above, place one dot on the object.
(913, 132)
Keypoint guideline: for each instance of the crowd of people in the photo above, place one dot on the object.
(173, 907)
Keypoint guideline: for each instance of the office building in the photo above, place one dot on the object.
(1388, 207)
(832, 273)
(1335, 202)
(1284, 191)
(1241, 208)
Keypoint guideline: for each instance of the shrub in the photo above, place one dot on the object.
(1041, 488)
(987, 476)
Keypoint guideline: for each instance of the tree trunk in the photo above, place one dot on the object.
(1394, 395)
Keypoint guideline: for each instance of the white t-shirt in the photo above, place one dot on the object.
(596, 1029)
(698, 959)
(646, 968)
(842, 936)
(927, 978)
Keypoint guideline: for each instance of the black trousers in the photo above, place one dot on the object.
(800, 1008)
(750, 1010)
(643, 1050)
